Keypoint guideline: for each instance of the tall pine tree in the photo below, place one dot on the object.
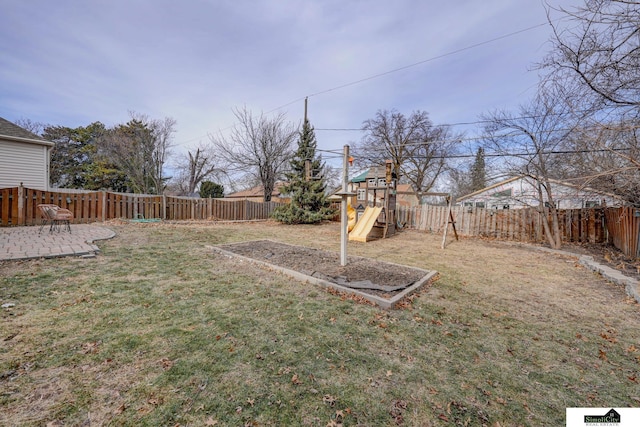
(306, 184)
(478, 172)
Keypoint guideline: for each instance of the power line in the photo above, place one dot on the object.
(395, 70)
(513, 133)
(524, 154)
(444, 55)
(476, 122)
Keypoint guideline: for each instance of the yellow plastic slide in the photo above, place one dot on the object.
(365, 224)
(351, 216)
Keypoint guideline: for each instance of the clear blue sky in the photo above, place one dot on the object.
(71, 63)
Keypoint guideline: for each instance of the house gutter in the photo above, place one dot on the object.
(27, 140)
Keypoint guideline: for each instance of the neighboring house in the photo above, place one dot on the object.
(520, 192)
(256, 194)
(407, 197)
(24, 157)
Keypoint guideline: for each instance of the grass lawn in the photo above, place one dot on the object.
(159, 331)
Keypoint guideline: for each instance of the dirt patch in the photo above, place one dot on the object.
(366, 275)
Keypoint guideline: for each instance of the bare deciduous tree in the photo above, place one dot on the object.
(259, 146)
(529, 143)
(607, 157)
(162, 131)
(427, 160)
(194, 168)
(416, 148)
(598, 45)
(140, 149)
(36, 128)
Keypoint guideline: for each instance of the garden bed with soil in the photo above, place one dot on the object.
(382, 283)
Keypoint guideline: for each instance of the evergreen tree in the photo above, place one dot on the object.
(77, 160)
(211, 189)
(478, 172)
(306, 184)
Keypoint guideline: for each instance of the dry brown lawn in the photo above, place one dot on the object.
(158, 330)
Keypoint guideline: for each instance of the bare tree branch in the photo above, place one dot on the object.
(258, 146)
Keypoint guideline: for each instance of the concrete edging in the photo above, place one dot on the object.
(630, 284)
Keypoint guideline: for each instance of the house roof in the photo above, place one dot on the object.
(497, 184)
(14, 132)
(553, 181)
(404, 188)
(373, 172)
(257, 191)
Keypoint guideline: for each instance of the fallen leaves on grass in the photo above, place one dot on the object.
(349, 296)
(165, 363)
(602, 354)
(90, 347)
(329, 400)
(120, 409)
(609, 337)
(397, 410)
(336, 419)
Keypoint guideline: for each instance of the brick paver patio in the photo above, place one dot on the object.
(26, 242)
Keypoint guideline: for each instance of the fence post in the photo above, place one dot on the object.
(104, 206)
(164, 207)
(21, 215)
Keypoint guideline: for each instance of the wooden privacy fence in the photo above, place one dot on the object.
(623, 225)
(19, 206)
(619, 226)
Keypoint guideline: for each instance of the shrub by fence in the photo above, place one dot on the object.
(19, 206)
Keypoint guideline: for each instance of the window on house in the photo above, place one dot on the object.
(371, 182)
(591, 204)
(382, 182)
(362, 194)
(505, 206)
(504, 193)
(480, 205)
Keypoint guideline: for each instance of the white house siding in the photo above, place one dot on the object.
(26, 163)
(520, 193)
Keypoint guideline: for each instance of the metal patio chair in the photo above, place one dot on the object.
(58, 218)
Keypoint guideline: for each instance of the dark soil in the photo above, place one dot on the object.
(367, 275)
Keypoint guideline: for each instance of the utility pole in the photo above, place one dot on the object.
(306, 100)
